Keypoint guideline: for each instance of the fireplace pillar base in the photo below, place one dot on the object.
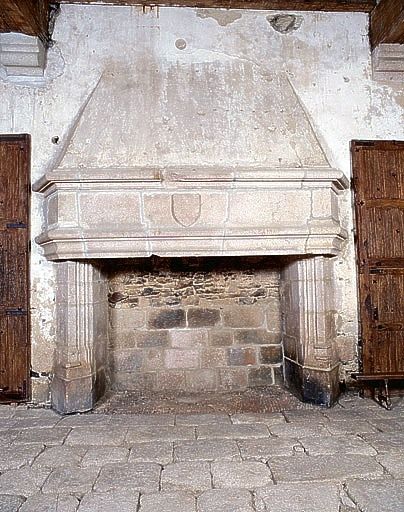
(316, 386)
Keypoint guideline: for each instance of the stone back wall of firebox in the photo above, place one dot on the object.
(194, 324)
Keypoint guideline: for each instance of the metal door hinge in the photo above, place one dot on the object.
(16, 225)
(16, 312)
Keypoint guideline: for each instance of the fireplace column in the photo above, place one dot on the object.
(82, 326)
(310, 364)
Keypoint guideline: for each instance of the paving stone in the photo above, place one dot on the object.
(186, 476)
(45, 503)
(47, 436)
(82, 420)
(159, 452)
(387, 425)
(143, 434)
(313, 415)
(337, 444)
(70, 480)
(112, 501)
(299, 497)
(394, 463)
(352, 426)
(302, 468)
(232, 431)
(225, 500)
(7, 423)
(207, 450)
(94, 436)
(101, 455)
(377, 495)
(386, 442)
(39, 412)
(201, 419)
(168, 502)
(7, 437)
(36, 422)
(14, 457)
(133, 420)
(142, 477)
(273, 418)
(24, 482)
(243, 475)
(264, 449)
(56, 456)
(306, 429)
(6, 411)
(9, 503)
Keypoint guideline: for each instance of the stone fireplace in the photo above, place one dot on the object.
(198, 276)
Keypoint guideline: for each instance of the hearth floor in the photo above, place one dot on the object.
(259, 400)
(345, 459)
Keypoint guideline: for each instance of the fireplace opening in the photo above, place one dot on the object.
(195, 324)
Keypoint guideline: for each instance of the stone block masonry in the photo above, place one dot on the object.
(200, 324)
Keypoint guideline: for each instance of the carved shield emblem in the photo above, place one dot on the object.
(186, 208)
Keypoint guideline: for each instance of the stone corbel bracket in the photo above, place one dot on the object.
(388, 62)
(181, 211)
(22, 55)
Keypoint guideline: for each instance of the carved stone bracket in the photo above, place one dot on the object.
(22, 55)
(388, 62)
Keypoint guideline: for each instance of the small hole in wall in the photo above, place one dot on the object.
(55, 140)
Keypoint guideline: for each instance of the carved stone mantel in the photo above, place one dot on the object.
(121, 213)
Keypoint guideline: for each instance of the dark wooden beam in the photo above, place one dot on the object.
(387, 22)
(278, 5)
(29, 17)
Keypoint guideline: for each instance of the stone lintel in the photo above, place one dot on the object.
(22, 55)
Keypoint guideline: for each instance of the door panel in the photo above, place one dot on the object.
(14, 267)
(378, 183)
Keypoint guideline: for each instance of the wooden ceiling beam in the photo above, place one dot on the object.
(387, 23)
(29, 17)
(281, 5)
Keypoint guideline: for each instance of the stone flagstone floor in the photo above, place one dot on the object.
(349, 458)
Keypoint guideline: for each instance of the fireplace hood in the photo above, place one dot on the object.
(174, 163)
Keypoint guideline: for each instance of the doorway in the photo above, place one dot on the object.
(14, 267)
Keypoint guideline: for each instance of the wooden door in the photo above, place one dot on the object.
(378, 183)
(14, 267)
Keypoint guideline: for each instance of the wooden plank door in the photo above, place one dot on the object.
(14, 267)
(378, 183)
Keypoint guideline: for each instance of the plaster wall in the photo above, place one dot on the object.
(325, 60)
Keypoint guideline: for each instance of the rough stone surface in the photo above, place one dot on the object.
(141, 477)
(206, 450)
(70, 480)
(10, 503)
(394, 464)
(377, 495)
(46, 503)
(318, 497)
(186, 476)
(168, 501)
(24, 482)
(124, 501)
(324, 467)
(158, 452)
(264, 449)
(223, 500)
(244, 475)
(336, 445)
(215, 431)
